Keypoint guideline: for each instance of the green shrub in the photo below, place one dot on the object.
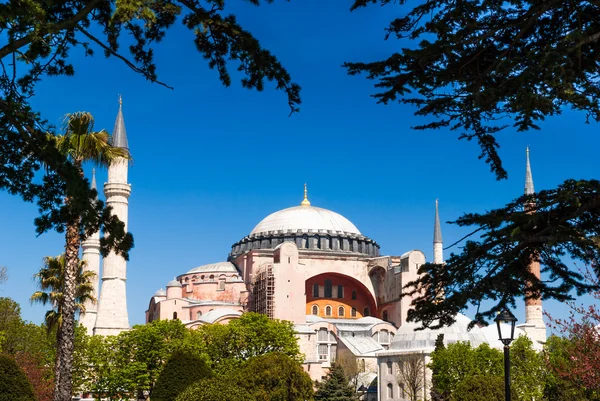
(481, 387)
(181, 370)
(216, 388)
(14, 385)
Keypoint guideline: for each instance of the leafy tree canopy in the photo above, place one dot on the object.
(480, 387)
(474, 66)
(276, 377)
(181, 370)
(39, 39)
(564, 222)
(253, 334)
(478, 67)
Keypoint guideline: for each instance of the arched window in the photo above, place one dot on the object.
(328, 289)
(390, 368)
(315, 310)
(198, 315)
(212, 277)
(315, 290)
(174, 315)
(390, 391)
(353, 312)
(366, 311)
(353, 294)
(341, 311)
(385, 316)
(328, 310)
(202, 277)
(340, 291)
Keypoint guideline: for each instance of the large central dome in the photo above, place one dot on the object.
(311, 228)
(305, 218)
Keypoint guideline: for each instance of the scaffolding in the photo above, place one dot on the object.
(263, 290)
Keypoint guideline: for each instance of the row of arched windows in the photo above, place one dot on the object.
(328, 290)
(341, 312)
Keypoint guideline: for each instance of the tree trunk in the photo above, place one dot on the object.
(66, 331)
(65, 344)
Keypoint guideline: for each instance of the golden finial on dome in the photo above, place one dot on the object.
(305, 202)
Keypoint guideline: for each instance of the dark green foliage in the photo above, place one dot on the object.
(436, 394)
(546, 226)
(467, 64)
(14, 385)
(270, 377)
(335, 386)
(182, 370)
(478, 388)
(276, 377)
(216, 389)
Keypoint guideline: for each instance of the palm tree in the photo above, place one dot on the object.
(51, 279)
(79, 144)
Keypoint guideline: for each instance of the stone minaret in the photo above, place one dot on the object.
(112, 306)
(534, 324)
(91, 255)
(438, 251)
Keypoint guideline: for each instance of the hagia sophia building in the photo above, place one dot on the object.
(307, 265)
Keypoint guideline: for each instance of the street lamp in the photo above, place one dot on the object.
(506, 333)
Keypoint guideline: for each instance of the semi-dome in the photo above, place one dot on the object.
(406, 338)
(305, 218)
(174, 283)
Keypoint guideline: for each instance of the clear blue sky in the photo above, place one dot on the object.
(211, 162)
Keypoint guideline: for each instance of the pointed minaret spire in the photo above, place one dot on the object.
(305, 202)
(93, 185)
(119, 134)
(438, 252)
(528, 177)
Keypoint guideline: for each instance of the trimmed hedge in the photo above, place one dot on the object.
(14, 385)
(181, 370)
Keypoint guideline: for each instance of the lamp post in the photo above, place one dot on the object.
(506, 333)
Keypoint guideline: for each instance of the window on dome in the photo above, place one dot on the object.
(202, 277)
(341, 311)
(366, 311)
(340, 291)
(353, 312)
(212, 277)
(328, 310)
(316, 291)
(354, 295)
(328, 289)
(315, 310)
